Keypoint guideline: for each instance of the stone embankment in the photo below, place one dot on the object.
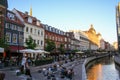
(86, 62)
(117, 59)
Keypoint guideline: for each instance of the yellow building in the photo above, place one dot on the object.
(115, 44)
(93, 36)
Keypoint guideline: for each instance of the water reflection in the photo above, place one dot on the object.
(103, 69)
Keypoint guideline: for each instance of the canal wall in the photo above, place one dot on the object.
(117, 59)
(85, 64)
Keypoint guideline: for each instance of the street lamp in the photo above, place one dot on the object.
(18, 40)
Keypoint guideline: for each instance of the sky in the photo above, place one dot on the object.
(73, 14)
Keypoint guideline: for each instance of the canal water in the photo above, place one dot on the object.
(103, 69)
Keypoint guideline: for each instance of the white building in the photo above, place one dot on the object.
(81, 36)
(102, 44)
(93, 46)
(32, 28)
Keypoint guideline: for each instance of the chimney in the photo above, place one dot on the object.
(26, 12)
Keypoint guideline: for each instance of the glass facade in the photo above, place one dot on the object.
(118, 25)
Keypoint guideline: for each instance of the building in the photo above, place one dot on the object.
(83, 39)
(56, 35)
(14, 32)
(115, 44)
(11, 29)
(102, 44)
(3, 13)
(93, 36)
(118, 24)
(33, 28)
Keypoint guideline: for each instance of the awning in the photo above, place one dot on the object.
(1, 50)
(16, 48)
(80, 52)
(27, 51)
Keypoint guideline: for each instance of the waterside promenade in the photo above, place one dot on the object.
(78, 66)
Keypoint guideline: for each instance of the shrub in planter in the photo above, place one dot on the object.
(43, 62)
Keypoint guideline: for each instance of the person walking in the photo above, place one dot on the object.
(22, 68)
(27, 69)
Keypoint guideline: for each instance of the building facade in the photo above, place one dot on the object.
(83, 39)
(56, 35)
(33, 28)
(93, 36)
(118, 24)
(14, 33)
(11, 29)
(3, 11)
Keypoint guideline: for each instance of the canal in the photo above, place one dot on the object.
(103, 69)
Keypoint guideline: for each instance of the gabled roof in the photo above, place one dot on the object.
(25, 17)
(16, 20)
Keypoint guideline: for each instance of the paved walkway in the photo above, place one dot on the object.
(76, 65)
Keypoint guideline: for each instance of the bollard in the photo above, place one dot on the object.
(2, 76)
(1, 65)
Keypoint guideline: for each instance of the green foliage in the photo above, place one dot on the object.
(30, 43)
(4, 44)
(73, 51)
(43, 62)
(61, 48)
(50, 45)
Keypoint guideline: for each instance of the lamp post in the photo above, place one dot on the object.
(18, 40)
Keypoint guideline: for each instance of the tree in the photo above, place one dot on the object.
(30, 43)
(4, 44)
(61, 48)
(50, 45)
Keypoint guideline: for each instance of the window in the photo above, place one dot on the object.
(14, 38)
(8, 37)
(41, 43)
(46, 36)
(56, 38)
(11, 27)
(10, 16)
(15, 27)
(26, 29)
(118, 31)
(38, 42)
(38, 23)
(53, 38)
(34, 41)
(26, 40)
(31, 30)
(20, 39)
(20, 28)
(65, 39)
(7, 25)
(38, 32)
(61, 39)
(30, 20)
(35, 31)
(41, 33)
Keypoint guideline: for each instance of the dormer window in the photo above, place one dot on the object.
(10, 16)
(38, 22)
(30, 20)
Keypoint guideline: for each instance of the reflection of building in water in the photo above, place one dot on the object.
(95, 73)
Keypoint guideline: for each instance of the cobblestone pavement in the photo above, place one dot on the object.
(11, 74)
